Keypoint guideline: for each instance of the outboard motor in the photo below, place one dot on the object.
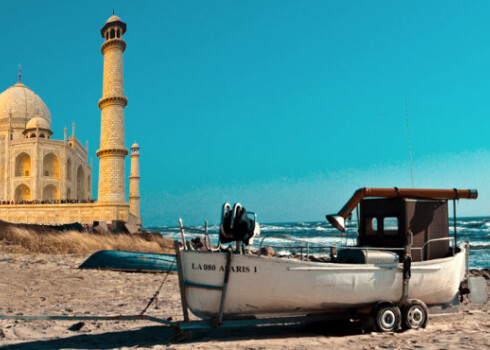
(236, 225)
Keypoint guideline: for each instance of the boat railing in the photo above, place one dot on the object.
(427, 243)
(194, 232)
(333, 248)
(306, 246)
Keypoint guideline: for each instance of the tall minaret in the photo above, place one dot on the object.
(134, 181)
(112, 151)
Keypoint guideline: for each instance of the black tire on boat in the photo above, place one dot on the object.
(387, 317)
(415, 314)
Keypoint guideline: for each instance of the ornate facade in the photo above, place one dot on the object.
(49, 181)
(33, 166)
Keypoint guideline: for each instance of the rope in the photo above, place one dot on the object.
(87, 318)
(153, 298)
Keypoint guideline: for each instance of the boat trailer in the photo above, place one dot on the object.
(183, 328)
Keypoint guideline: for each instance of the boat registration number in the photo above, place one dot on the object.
(236, 268)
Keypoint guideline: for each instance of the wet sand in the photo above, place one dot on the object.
(53, 285)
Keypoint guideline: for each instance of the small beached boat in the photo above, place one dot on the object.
(404, 261)
(119, 260)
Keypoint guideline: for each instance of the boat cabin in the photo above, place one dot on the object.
(397, 222)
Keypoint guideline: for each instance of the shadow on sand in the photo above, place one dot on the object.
(162, 335)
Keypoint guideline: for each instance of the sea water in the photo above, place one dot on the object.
(476, 230)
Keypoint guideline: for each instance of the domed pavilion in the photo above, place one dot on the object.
(33, 167)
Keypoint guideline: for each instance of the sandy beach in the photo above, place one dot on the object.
(53, 285)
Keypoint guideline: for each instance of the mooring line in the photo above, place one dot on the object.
(158, 290)
(88, 318)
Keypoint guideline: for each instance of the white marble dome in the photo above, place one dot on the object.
(23, 103)
(38, 122)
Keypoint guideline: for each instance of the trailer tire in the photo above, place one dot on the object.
(387, 317)
(415, 314)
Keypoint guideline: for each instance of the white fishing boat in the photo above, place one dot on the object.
(404, 261)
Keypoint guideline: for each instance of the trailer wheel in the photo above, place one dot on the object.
(415, 314)
(387, 317)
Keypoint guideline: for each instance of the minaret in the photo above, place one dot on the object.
(112, 151)
(134, 181)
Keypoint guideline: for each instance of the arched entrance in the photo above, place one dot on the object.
(51, 165)
(22, 193)
(23, 165)
(51, 193)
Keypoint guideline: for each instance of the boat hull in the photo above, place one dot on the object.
(119, 260)
(264, 285)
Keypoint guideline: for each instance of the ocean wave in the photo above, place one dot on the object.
(478, 245)
(272, 228)
(475, 230)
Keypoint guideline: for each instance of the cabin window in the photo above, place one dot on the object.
(390, 226)
(371, 226)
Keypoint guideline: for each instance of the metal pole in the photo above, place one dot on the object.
(408, 136)
(180, 273)
(225, 287)
(407, 272)
(454, 222)
(347, 231)
(182, 234)
(357, 217)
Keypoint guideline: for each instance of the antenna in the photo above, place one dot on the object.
(408, 135)
(20, 74)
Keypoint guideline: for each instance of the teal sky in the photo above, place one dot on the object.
(285, 106)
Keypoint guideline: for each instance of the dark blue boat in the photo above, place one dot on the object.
(130, 261)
